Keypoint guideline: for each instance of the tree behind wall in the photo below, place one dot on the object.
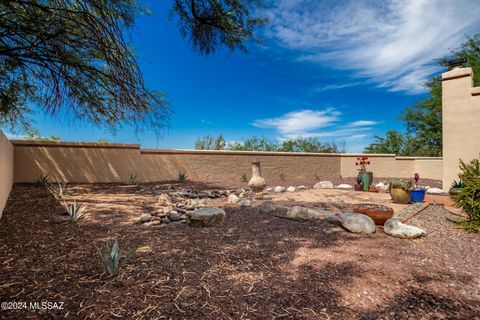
(71, 57)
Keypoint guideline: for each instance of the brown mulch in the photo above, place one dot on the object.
(254, 267)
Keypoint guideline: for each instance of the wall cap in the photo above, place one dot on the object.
(59, 144)
(457, 73)
(475, 91)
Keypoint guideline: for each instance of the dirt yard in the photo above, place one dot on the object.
(254, 267)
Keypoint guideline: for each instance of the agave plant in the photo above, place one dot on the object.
(458, 184)
(110, 256)
(43, 180)
(182, 177)
(75, 211)
(132, 179)
(244, 177)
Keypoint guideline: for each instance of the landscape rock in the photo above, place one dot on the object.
(177, 224)
(267, 206)
(302, 187)
(153, 223)
(323, 185)
(145, 217)
(302, 213)
(233, 198)
(434, 191)
(382, 187)
(206, 217)
(356, 222)
(344, 186)
(291, 189)
(279, 189)
(245, 203)
(164, 200)
(395, 228)
(165, 220)
(268, 189)
(174, 216)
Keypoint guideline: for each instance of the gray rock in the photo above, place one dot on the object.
(174, 216)
(291, 189)
(233, 198)
(206, 217)
(177, 224)
(356, 223)
(302, 213)
(344, 186)
(397, 229)
(267, 206)
(145, 217)
(165, 220)
(323, 185)
(245, 203)
(279, 189)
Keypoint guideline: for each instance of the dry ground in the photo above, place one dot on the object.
(254, 267)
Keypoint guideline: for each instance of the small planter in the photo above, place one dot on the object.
(400, 196)
(454, 191)
(417, 195)
(378, 213)
(373, 189)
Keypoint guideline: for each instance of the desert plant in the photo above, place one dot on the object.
(132, 179)
(316, 176)
(110, 257)
(75, 211)
(469, 170)
(282, 177)
(244, 177)
(458, 184)
(43, 180)
(405, 185)
(182, 177)
(59, 189)
(469, 200)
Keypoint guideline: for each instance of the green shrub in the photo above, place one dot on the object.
(469, 170)
(182, 177)
(110, 256)
(282, 177)
(244, 177)
(469, 200)
(458, 184)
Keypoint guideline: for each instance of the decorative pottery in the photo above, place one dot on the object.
(454, 191)
(400, 196)
(370, 178)
(378, 213)
(256, 183)
(417, 195)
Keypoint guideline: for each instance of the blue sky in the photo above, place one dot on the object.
(340, 72)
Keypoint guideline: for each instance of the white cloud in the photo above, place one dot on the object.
(390, 42)
(300, 121)
(361, 123)
(334, 87)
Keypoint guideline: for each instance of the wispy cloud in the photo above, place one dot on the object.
(392, 43)
(300, 121)
(335, 86)
(361, 123)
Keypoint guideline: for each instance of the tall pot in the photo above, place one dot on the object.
(400, 196)
(256, 183)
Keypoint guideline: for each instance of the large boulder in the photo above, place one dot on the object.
(344, 186)
(245, 203)
(302, 213)
(397, 229)
(206, 217)
(323, 185)
(267, 206)
(434, 191)
(356, 222)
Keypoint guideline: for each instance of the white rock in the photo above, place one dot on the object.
(302, 187)
(344, 186)
(245, 203)
(302, 213)
(382, 187)
(291, 189)
(269, 189)
(323, 185)
(434, 190)
(279, 189)
(233, 198)
(357, 223)
(400, 230)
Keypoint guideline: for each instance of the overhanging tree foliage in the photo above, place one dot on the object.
(72, 57)
(423, 121)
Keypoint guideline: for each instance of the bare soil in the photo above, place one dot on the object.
(254, 267)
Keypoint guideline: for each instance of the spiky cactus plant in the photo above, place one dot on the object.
(75, 211)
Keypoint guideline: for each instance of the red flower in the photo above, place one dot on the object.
(368, 162)
(356, 163)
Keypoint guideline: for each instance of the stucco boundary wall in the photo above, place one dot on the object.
(6, 170)
(76, 162)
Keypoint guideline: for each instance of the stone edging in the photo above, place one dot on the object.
(411, 211)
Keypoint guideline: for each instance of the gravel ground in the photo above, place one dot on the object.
(254, 267)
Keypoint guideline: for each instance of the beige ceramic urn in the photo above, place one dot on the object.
(257, 183)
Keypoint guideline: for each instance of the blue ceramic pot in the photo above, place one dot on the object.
(417, 195)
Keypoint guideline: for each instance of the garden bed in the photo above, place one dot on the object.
(255, 266)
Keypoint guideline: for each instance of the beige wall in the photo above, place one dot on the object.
(461, 121)
(93, 162)
(6, 170)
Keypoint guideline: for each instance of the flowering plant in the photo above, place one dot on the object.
(363, 162)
